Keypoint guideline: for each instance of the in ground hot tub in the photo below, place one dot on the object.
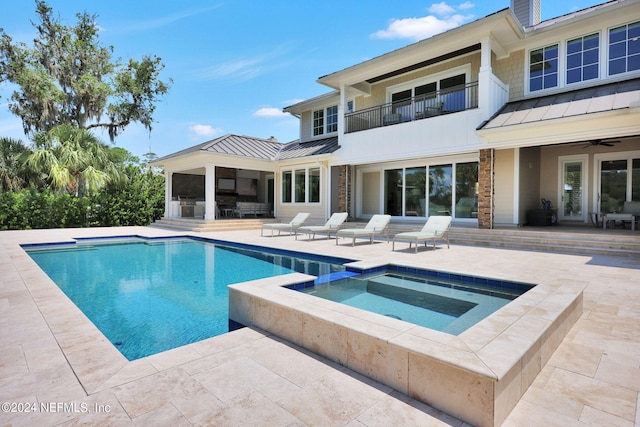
(477, 376)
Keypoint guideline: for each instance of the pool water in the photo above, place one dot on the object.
(444, 304)
(151, 295)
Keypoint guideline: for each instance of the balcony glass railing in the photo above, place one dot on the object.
(446, 101)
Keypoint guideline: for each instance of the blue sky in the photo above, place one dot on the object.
(235, 64)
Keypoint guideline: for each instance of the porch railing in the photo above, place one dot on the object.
(447, 101)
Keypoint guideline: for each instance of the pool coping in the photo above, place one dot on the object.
(503, 363)
(477, 376)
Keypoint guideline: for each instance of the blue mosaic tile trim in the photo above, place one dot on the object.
(300, 286)
(331, 277)
(277, 251)
(505, 284)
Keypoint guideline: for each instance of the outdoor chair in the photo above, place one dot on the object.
(376, 225)
(630, 213)
(291, 226)
(334, 223)
(437, 227)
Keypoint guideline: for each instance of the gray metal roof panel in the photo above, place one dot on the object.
(594, 99)
(298, 149)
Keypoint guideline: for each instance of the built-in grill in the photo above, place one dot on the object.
(187, 206)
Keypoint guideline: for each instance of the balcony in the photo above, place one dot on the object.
(446, 101)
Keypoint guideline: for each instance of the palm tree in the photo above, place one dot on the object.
(73, 159)
(13, 175)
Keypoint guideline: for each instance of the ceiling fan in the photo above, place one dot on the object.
(603, 142)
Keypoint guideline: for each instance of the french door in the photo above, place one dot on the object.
(572, 192)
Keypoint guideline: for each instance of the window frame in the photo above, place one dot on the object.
(320, 121)
(603, 55)
(626, 56)
(598, 63)
(559, 68)
(292, 196)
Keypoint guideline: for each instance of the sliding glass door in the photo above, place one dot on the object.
(618, 177)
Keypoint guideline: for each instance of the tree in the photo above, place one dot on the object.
(69, 77)
(73, 159)
(13, 175)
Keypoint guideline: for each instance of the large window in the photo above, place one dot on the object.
(582, 58)
(624, 48)
(466, 190)
(426, 98)
(393, 184)
(543, 68)
(301, 186)
(314, 185)
(325, 121)
(415, 191)
(422, 191)
(286, 187)
(440, 190)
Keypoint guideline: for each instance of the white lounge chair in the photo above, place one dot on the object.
(376, 225)
(334, 223)
(291, 226)
(437, 227)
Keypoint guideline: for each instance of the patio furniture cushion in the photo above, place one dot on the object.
(376, 225)
(436, 227)
(333, 224)
(291, 226)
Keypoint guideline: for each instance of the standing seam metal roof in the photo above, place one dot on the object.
(259, 148)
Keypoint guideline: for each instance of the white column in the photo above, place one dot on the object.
(342, 104)
(210, 192)
(168, 185)
(484, 77)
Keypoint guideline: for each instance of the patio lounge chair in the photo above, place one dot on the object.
(334, 223)
(437, 227)
(376, 225)
(291, 226)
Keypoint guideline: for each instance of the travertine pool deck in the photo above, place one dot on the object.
(51, 355)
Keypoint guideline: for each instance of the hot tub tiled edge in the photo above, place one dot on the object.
(478, 384)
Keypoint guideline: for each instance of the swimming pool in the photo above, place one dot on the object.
(437, 300)
(151, 295)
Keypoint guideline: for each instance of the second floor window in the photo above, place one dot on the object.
(325, 121)
(582, 58)
(624, 49)
(318, 122)
(332, 119)
(543, 68)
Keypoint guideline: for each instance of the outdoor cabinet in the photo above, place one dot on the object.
(539, 217)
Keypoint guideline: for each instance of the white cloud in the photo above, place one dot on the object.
(204, 130)
(270, 112)
(426, 26)
(441, 9)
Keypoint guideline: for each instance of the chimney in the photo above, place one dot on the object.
(527, 11)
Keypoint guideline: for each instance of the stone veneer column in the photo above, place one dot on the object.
(344, 189)
(485, 189)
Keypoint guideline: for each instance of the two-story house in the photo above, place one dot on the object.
(480, 122)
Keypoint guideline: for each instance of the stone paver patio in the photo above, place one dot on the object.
(51, 355)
